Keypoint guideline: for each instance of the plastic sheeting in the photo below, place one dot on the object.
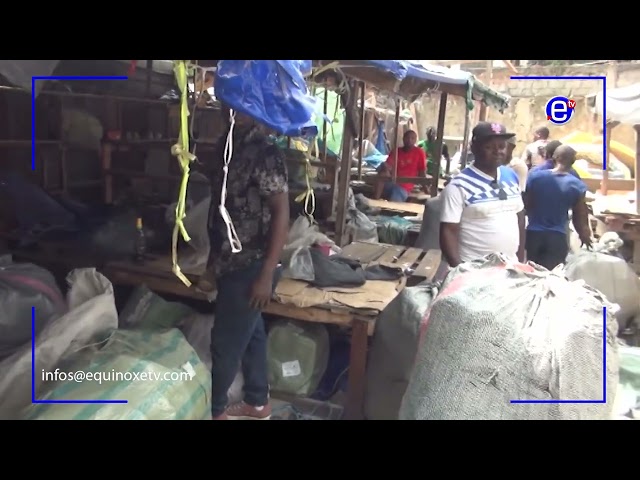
(20, 72)
(274, 92)
(623, 104)
(397, 68)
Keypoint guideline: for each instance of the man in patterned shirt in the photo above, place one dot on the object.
(258, 204)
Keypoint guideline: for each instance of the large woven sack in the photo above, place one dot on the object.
(499, 332)
(610, 274)
(393, 350)
(158, 373)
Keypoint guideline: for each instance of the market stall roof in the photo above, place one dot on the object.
(412, 78)
(623, 104)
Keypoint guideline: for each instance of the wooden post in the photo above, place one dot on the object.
(482, 117)
(438, 146)
(394, 152)
(361, 135)
(604, 186)
(465, 138)
(345, 171)
(324, 127)
(637, 168)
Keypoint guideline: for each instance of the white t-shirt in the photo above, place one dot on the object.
(518, 166)
(533, 150)
(487, 223)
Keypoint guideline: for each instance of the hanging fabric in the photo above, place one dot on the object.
(181, 152)
(381, 141)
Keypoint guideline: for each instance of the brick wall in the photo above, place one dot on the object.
(529, 98)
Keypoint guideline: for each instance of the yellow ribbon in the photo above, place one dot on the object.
(181, 152)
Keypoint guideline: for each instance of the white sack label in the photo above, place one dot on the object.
(291, 369)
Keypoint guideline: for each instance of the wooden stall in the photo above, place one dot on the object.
(618, 208)
(415, 80)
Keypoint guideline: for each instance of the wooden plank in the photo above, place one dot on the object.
(363, 252)
(410, 256)
(623, 185)
(315, 315)
(391, 254)
(402, 207)
(171, 286)
(428, 266)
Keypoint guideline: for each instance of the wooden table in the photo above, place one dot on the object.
(362, 321)
(156, 274)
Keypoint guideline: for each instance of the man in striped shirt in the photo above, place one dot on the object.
(482, 207)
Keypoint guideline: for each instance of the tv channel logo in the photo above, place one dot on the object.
(560, 109)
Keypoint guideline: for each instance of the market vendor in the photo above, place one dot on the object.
(258, 204)
(412, 162)
(482, 207)
(429, 147)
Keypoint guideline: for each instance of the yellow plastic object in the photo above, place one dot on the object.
(622, 152)
(181, 151)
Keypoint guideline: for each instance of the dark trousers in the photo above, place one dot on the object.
(238, 338)
(548, 249)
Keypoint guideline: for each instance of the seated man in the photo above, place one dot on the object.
(412, 162)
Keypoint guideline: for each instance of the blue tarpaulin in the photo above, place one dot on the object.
(274, 92)
(411, 78)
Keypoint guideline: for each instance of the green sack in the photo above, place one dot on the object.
(145, 309)
(627, 397)
(173, 383)
(298, 355)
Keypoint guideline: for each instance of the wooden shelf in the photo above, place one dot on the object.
(27, 143)
(93, 96)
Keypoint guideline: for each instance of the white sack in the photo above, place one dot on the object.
(92, 317)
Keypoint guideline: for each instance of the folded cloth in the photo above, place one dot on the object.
(383, 272)
(336, 271)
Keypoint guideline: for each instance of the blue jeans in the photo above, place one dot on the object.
(238, 338)
(394, 193)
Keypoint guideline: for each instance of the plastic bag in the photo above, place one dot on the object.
(274, 92)
(603, 270)
(301, 265)
(197, 330)
(297, 356)
(297, 261)
(148, 310)
(358, 226)
(24, 286)
(91, 318)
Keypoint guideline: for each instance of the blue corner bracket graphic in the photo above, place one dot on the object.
(33, 167)
(604, 167)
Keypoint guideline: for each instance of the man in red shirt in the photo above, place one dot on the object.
(412, 162)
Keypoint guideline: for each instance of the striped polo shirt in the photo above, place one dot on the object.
(487, 211)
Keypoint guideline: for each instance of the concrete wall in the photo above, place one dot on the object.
(529, 98)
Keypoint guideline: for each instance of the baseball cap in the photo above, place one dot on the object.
(486, 130)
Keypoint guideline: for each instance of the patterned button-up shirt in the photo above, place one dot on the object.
(257, 170)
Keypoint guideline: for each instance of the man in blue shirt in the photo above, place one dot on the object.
(549, 196)
(548, 164)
